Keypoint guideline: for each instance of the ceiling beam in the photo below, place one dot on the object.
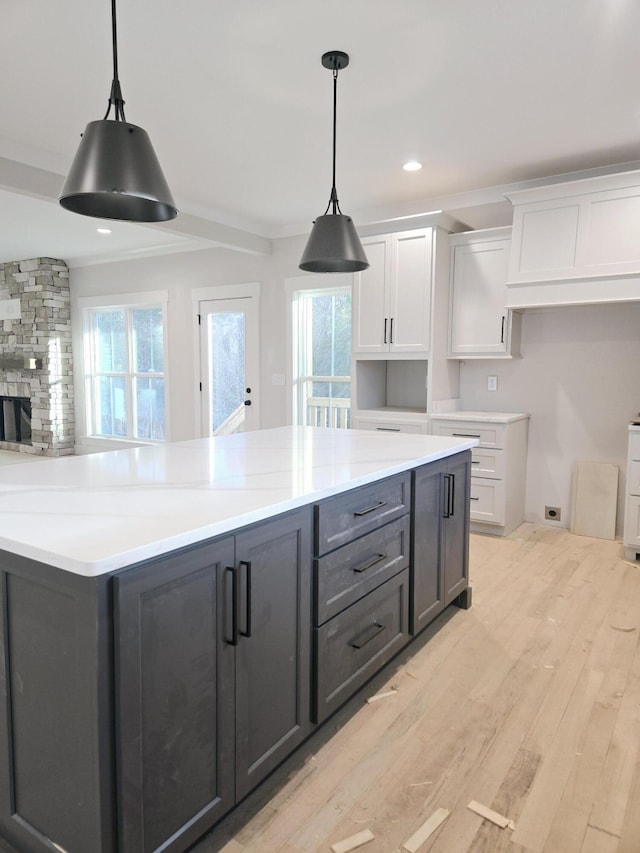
(23, 179)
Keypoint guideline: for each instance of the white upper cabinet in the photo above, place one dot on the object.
(392, 299)
(370, 297)
(576, 242)
(480, 325)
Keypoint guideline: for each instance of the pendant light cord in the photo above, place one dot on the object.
(333, 198)
(115, 98)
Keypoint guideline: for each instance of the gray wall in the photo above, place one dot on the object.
(579, 379)
(180, 274)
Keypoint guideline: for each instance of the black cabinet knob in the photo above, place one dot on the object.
(247, 402)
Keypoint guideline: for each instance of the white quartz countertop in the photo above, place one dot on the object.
(487, 417)
(98, 513)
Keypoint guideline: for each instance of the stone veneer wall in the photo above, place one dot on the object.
(43, 331)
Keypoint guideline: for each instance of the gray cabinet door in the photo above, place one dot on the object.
(273, 652)
(56, 789)
(427, 588)
(174, 698)
(455, 546)
(440, 564)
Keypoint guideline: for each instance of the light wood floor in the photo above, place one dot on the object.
(529, 703)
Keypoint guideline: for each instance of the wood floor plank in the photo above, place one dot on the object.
(529, 703)
(558, 732)
(232, 847)
(620, 766)
(449, 782)
(597, 841)
(630, 835)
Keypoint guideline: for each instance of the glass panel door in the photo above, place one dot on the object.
(229, 365)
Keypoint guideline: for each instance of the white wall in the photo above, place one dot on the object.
(179, 274)
(579, 379)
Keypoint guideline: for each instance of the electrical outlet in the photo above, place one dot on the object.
(552, 513)
(492, 383)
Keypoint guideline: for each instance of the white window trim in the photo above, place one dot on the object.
(86, 305)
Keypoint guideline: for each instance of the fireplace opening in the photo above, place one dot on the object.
(15, 419)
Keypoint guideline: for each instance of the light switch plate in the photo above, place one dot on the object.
(492, 383)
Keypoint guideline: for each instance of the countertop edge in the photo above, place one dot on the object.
(124, 560)
(481, 417)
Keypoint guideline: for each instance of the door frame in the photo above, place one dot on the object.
(251, 291)
(293, 284)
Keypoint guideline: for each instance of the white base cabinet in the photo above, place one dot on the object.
(498, 465)
(632, 497)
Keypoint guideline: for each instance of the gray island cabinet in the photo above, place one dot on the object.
(146, 691)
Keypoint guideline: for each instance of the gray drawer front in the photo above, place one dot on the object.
(354, 645)
(345, 575)
(341, 519)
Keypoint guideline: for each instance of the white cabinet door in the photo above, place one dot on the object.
(632, 522)
(487, 500)
(480, 325)
(370, 299)
(410, 292)
(632, 497)
(392, 298)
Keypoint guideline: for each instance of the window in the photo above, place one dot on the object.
(321, 337)
(125, 364)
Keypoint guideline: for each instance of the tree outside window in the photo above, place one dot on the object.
(322, 357)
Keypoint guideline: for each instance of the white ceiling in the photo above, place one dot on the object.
(485, 93)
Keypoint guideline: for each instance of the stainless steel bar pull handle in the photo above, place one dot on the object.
(391, 331)
(372, 632)
(370, 509)
(385, 330)
(371, 563)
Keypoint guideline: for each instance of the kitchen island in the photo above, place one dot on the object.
(175, 620)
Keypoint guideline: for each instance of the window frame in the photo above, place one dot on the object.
(128, 303)
(296, 288)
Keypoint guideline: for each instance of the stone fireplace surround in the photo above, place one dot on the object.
(35, 321)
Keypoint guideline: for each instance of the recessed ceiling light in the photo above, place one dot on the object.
(103, 230)
(412, 166)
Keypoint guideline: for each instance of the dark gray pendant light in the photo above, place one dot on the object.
(333, 244)
(115, 173)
